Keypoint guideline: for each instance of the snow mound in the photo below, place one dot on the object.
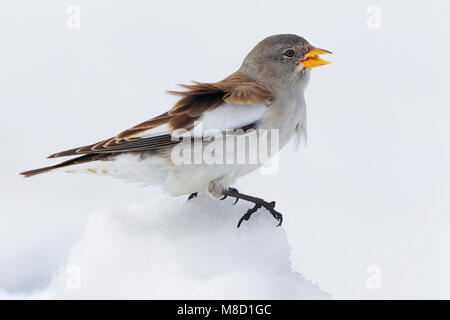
(171, 248)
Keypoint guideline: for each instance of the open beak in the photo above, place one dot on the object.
(311, 58)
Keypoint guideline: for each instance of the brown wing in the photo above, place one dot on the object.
(197, 99)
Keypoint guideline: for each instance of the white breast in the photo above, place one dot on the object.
(289, 116)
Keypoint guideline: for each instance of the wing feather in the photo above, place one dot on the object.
(241, 100)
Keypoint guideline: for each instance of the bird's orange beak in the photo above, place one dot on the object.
(311, 58)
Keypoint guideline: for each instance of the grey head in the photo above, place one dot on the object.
(282, 61)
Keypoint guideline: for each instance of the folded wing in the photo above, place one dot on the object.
(235, 102)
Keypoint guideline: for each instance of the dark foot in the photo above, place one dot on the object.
(225, 196)
(269, 206)
(193, 195)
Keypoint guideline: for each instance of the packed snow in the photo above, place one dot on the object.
(171, 248)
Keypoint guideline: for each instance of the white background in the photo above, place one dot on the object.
(372, 187)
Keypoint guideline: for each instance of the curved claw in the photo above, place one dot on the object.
(277, 216)
(244, 217)
(224, 197)
(237, 199)
(281, 220)
(193, 195)
(249, 213)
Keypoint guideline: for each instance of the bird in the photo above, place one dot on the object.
(263, 99)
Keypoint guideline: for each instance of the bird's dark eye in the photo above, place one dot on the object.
(289, 53)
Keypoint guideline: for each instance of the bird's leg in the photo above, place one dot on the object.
(225, 196)
(193, 195)
(269, 206)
